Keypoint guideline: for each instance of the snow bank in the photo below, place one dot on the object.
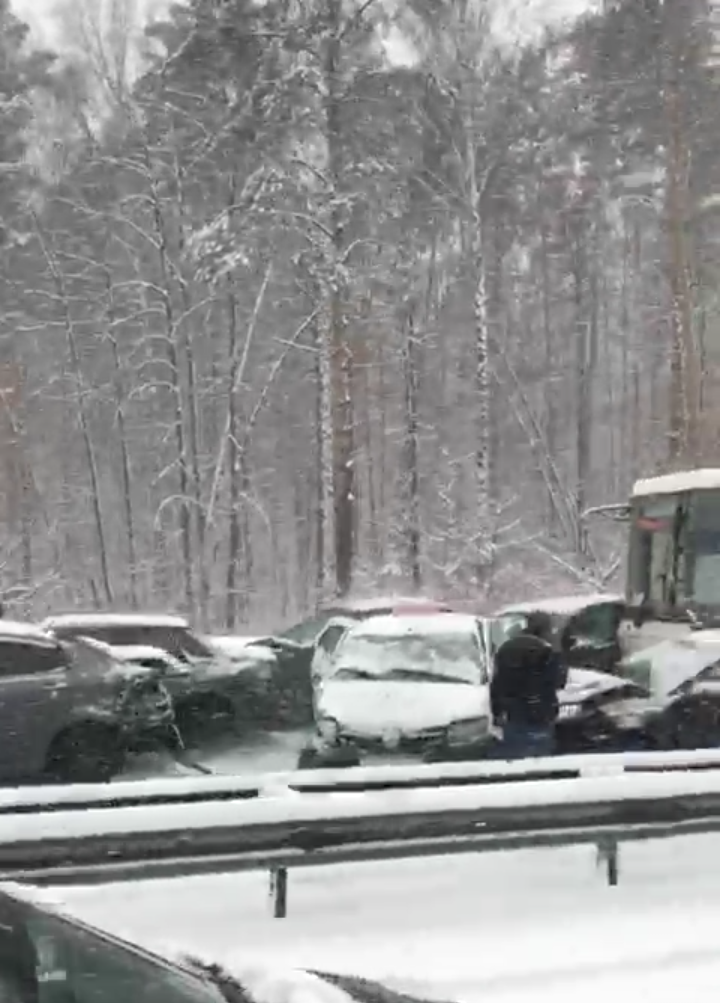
(332, 807)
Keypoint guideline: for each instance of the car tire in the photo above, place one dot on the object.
(204, 717)
(86, 754)
(337, 757)
(694, 726)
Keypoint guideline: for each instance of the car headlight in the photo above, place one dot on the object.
(328, 729)
(470, 730)
(568, 710)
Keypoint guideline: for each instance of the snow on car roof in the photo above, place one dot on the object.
(705, 479)
(562, 605)
(130, 652)
(387, 602)
(30, 631)
(80, 620)
(392, 626)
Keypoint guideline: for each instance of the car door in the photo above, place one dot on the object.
(325, 647)
(33, 703)
(79, 965)
(590, 638)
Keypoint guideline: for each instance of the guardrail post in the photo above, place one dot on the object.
(278, 891)
(608, 854)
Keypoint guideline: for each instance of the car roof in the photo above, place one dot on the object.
(392, 626)
(562, 605)
(385, 603)
(128, 652)
(79, 620)
(699, 479)
(14, 630)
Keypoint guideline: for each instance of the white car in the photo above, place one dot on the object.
(407, 683)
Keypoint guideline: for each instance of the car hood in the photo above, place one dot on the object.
(370, 707)
(241, 650)
(291, 985)
(671, 663)
(582, 684)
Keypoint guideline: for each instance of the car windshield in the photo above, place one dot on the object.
(454, 656)
(305, 632)
(177, 641)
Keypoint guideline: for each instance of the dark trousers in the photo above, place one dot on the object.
(522, 741)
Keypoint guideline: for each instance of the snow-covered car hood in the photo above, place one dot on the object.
(370, 708)
(665, 666)
(585, 683)
(241, 649)
(136, 654)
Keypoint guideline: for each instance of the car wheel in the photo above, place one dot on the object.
(202, 717)
(695, 726)
(335, 757)
(86, 754)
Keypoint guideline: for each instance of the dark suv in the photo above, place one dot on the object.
(211, 693)
(69, 712)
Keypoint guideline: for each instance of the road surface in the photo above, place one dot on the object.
(270, 752)
(531, 926)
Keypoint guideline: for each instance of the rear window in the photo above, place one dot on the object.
(22, 658)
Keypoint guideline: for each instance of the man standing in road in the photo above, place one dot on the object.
(523, 691)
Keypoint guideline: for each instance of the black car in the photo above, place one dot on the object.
(585, 627)
(47, 956)
(667, 697)
(212, 694)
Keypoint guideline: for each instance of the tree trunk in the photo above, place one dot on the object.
(178, 409)
(119, 390)
(187, 347)
(82, 416)
(411, 477)
(685, 388)
(234, 534)
(341, 363)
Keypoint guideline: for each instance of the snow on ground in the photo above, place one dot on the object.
(267, 752)
(503, 928)
(281, 805)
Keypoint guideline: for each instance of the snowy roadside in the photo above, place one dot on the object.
(535, 924)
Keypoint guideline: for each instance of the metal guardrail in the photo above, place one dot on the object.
(279, 834)
(209, 789)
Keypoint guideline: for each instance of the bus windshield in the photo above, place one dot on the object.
(675, 550)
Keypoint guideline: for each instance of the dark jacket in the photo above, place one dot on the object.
(528, 674)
